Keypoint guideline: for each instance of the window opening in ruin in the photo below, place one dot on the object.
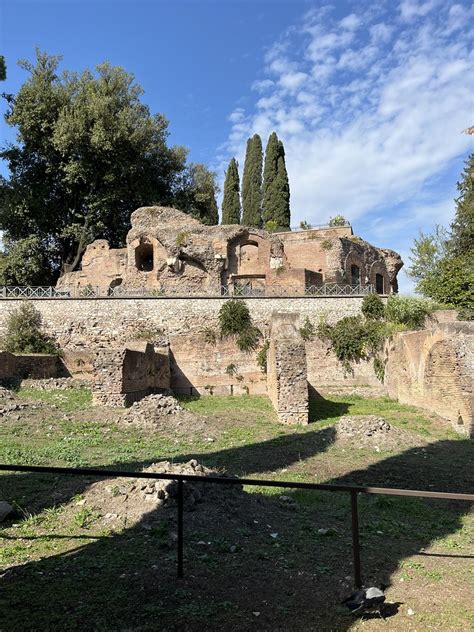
(144, 257)
(379, 283)
(355, 275)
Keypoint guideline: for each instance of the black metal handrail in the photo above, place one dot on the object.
(354, 490)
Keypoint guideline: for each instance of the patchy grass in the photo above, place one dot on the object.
(81, 573)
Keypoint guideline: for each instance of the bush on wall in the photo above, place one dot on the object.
(235, 320)
(24, 332)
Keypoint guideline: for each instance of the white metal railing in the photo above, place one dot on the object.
(88, 291)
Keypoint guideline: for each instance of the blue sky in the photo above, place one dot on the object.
(370, 98)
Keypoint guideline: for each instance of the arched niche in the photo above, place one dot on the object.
(354, 269)
(144, 256)
(379, 278)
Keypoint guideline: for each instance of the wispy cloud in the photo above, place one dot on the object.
(370, 108)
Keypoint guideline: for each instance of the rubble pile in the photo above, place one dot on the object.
(151, 409)
(372, 431)
(9, 403)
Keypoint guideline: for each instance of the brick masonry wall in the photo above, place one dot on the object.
(15, 366)
(433, 369)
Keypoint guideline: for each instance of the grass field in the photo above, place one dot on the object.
(64, 568)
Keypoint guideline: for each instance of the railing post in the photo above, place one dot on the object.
(180, 528)
(355, 540)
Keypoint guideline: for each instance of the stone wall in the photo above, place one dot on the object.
(287, 384)
(15, 367)
(88, 323)
(123, 376)
(433, 369)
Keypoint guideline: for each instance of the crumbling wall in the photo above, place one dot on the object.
(203, 366)
(433, 369)
(123, 376)
(17, 366)
(286, 370)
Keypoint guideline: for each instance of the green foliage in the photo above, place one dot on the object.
(373, 307)
(182, 237)
(379, 369)
(426, 252)
(248, 339)
(88, 153)
(24, 332)
(271, 226)
(25, 263)
(234, 317)
(338, 220)
(276, 188)
(231, 369)
(235, 320)
(304, 225)
(353, 339)
(326, 244)
(197, 192)
(3, 68)
(407, 310)
(307, 331)
(210, 335)
(462, 229)
(262, 356)
(231, 201)
(442, 263)
(252, 183)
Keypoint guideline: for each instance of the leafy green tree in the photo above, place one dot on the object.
(252, 183)
(426, 252)
(442, 263)
(276, 188)
(197, 194)
(24, 332)
(88, 153)
(25, 263)
(373, 307)
(338, 220)
(231, 202)
(3, 68)
(462, 229)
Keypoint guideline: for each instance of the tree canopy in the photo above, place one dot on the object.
(442, 263)
(88, 152)
(252, 183)
(231, 209)
(276, 188)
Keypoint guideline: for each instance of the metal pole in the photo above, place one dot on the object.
(180, 528)
(355, 540)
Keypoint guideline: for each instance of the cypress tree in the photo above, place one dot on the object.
(276, 188)
(231, 200)
(252, 183)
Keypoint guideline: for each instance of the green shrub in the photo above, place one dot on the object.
(234, 317)
(271, 226)
(409, 311)
(231, 369)
(304, 225)
(353, 339)
(338, 220)
(248, 339)
(373, 307)
(308, 331)
(262, 356)
(24, 333)
(379, 368)
(210, 335)
(326, 244)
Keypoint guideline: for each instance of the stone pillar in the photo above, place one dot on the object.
(287, 384)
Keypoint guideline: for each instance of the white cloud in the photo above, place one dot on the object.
(350, 22)
(367, 124)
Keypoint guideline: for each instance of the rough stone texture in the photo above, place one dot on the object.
(169, 251)
(55, 383)
(286, 370)
(123, 376)
(371, 431)
(149, 410)
(16, 366)
(433, 369)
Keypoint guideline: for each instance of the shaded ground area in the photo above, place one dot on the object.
(255, 560)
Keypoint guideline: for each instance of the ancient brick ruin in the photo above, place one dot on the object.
(168, 250)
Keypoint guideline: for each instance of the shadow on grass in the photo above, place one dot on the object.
(127, 581)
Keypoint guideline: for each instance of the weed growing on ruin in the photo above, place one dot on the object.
(373, 307)
(24, 333)
(231, 369)
(182, 238)
(262, 356)
(326, 244)
(409, 311)
(338, 220)
(307, 331)
(304, 225)
(235, 320)
(379, 368)
(149, 334)
(210, 335)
